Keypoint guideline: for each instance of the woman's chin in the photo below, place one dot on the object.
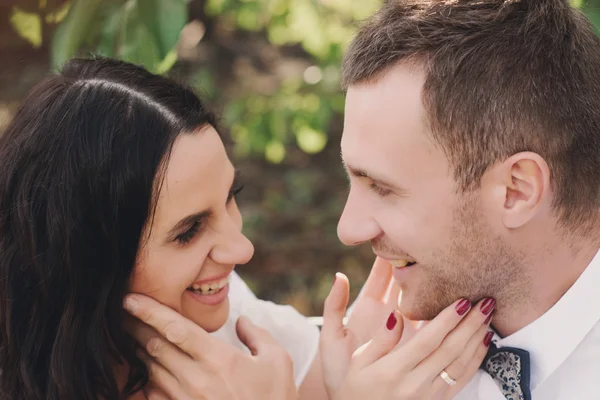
(210, 319)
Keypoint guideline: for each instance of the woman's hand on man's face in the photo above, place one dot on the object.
(187, 363)
(357, 367)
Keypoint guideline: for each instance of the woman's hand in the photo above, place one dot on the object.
(380, 369)
(377, 299)
(186, 363)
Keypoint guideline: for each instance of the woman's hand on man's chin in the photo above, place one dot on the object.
(364, 359)
(185, 362)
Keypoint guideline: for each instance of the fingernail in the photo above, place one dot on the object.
(488, 319)
(130, 304)
(488, 338)
(463, 306)
(391, 321)
(488, 305)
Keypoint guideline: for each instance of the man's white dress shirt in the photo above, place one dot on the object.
(564, 346)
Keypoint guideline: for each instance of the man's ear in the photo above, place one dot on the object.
(522, 184)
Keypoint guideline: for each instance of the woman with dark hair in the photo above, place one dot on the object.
(84, 166)
(114, 180)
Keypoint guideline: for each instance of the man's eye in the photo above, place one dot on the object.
(379, 190)
(233, 193)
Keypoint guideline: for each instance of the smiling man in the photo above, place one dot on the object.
(472, 143)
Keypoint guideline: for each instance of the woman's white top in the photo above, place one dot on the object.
(291, 329)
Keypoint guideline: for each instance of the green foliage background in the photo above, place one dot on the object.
(271, 67)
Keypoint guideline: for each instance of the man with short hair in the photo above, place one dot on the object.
(472, 142)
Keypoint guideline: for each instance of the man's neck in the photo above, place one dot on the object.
(554, 269)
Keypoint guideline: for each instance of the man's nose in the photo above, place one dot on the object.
(356, 224)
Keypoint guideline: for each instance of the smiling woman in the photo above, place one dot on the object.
(196, 231)
(112, 180)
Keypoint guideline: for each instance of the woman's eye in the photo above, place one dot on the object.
(188, 235)
(379, 190)
(233, 193)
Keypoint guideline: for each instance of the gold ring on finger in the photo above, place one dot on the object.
(444, 375)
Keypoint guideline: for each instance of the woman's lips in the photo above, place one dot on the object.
(212, 299)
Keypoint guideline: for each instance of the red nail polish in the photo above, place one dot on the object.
(488, 306)
(391, 322)
(488, 338)
(463, 306)
(487, 320)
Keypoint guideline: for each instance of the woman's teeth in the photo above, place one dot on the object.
(210, 288)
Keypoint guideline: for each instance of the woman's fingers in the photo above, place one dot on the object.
(262, 344)
(153, 393)
(384, 341)
(378, 281)
(456, 342)
(471, 368)
(393, 295)
(177, 329)
(166, 358)
(334, 309)
(162, 351)
(162, 385)
(464, 367)
(256, 339)
(430, 337)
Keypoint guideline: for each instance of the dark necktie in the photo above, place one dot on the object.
(509, 367)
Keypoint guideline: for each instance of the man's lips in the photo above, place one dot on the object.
(398, 262)
(401, 263)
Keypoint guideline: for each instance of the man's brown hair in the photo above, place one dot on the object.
(501, 77)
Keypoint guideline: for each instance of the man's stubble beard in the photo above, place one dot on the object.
(476, 264)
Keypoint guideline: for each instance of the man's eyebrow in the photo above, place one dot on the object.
(188, 221)
(361, 173)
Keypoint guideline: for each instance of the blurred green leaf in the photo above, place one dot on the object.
(164, 20)
(204, 82)
(248, 16)
(144, 32)
(576, 3)
(136, 43)
(58, 15)
(28, 25)
(593, 14)
(73, 31)
(215, 7)
(107, 45)
(167, 63)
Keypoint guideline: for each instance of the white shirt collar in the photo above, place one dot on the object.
(554, 336)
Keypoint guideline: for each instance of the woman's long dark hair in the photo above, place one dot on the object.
(78, 167)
